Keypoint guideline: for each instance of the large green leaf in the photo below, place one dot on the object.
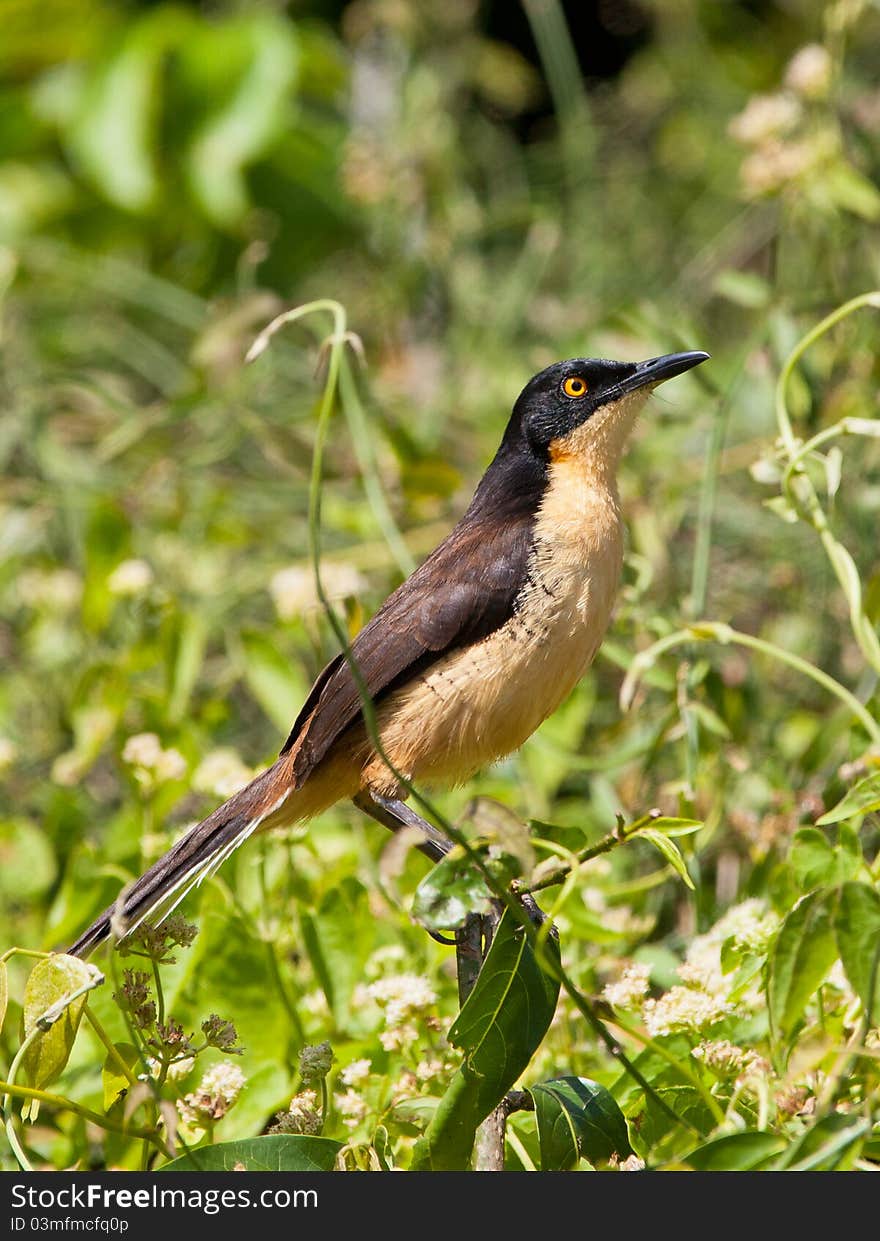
(857, 926)
(49, 984)
(577, 1118)
(237, 131)
(338, 940)
(274, 1152)
(499, 1028)
(804, 951)
(736, 1152)
(816, 862)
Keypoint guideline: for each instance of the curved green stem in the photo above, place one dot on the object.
(807, 499)
(842, 312)
(707, 631)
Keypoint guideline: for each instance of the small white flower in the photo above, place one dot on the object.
(776, 165)
(142, 750)
(630, 988)
(294, 591)
(809, 72)
(216, 1094)
(58, 590)
(302, 1116)
(683, 1008)
(764, 117)
(150, 763)
(402, 996)
(131, 577)
(355, 1073)
(351, 1107)
(221, 773)
(633, 1164)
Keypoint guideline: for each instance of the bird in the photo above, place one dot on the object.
(469, 655)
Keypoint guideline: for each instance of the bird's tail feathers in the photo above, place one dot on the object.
(196, 855)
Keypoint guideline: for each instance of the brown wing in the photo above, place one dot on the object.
(464, 591)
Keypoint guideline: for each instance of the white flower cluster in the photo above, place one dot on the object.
(303, 1115)
(356, 1073)
(55, 590)
(781, 150)
(726, 1060)
(294, 591)
(150, 763)
(221, 773)
(217, 1093)
(702, 999)
(130, 578)
(630, 989)
(683, 1009)
(404, 997)
(351, 1108)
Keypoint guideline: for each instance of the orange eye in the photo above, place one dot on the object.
(574, 386)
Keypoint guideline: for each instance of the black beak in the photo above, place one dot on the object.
(656, 370)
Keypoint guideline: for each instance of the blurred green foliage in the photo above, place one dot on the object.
(171, 177)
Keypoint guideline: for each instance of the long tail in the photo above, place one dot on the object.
(197, 855)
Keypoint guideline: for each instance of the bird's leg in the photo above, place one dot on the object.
(395, 815)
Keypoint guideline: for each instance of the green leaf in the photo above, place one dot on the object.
(500, 1026)
(675, 827)
(50, 982)
(276, 686)
(239, 130)
(338, 940)
(857, 927)
(816, 862)
(29, 864)
(862, 798)
(852, 191)
(449, 892)
(112, 133)
(188, 652)
(274, 1152)
(804, 951)
(832, 1144)
(736, 1152)
(114, 1081)
(743, 288)
(670, 851)
(577, 1118)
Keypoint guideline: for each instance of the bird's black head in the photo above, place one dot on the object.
(578, 412)
(563, 408)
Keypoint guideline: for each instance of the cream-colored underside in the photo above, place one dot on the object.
(480, 703)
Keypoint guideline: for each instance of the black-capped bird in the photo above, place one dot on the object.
(472, 652)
